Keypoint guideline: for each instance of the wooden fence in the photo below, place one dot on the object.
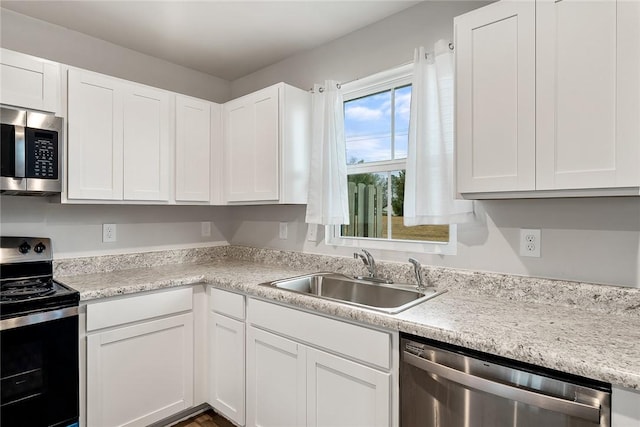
(365, 211)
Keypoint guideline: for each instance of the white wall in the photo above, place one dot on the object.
(377, 47)
(594, 240)
(76, 230)
(35, 37)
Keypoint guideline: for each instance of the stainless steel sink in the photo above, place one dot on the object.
(360, 292)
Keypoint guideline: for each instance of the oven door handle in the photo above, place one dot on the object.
(568, 407)
(31, 319)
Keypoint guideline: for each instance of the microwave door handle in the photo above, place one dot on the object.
(21, 152)
(568, 407)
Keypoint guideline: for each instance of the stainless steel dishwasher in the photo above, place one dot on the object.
(447, 386)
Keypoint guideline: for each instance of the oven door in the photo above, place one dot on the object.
(39, 369)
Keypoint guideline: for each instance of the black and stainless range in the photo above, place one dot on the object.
(38, 338)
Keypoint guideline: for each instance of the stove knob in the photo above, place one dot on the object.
(39, 248)
(24, 248)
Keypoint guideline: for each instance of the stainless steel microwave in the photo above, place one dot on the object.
(31, 156)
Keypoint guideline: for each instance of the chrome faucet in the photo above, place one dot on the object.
(368, 260)
(417, 269)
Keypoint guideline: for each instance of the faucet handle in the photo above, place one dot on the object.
(371, 263)
(417, 269)
(357, 255)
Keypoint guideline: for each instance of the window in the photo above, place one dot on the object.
(376, 117)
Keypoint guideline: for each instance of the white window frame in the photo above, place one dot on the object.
(370, 85)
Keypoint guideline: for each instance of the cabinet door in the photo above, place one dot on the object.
(146, 144)
(276, 381)
(226, 367)
(193, 145)
(251, 147)
(587, 94)
(344, 393)
(625, 407)
(95, 136)
(140, 374)
(29, 82)
(495, 98)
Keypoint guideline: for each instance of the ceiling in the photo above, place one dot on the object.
(228, 39)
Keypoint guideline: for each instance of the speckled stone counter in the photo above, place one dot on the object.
(583, 329)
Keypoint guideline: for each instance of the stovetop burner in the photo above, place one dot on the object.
(25, 289)
(26, 278)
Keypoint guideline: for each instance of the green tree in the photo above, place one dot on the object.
(397, 198)
(379, 180)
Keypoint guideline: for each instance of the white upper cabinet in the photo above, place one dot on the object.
(95, 136)
(266, 146)
(251, 147)
(147, 161)
(29, 82)
(118, 141)
(495, 97)
(587, 85)
(134, 143)
(193, 149)
(581, 62)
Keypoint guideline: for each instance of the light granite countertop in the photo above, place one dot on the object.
(602, 344)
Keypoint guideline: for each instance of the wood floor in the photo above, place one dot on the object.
(205, 419)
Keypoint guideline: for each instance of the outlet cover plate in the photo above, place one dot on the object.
(530, 242)
(283, 231)
(108, 233)
(205, 229)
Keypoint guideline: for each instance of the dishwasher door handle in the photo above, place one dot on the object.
(568, 407)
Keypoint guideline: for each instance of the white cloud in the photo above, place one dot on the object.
(403, 103)
(363, 113)
(368, 149)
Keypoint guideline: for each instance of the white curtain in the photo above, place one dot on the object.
(328, 203)
(429, 194)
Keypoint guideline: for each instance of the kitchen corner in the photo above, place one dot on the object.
(579, 328)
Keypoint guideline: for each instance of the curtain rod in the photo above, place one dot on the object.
(339, 85)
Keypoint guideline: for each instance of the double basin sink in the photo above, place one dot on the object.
(360, 292)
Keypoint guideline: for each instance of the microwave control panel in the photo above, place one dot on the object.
(42, 154)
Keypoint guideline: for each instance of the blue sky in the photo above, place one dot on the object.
(368, 126)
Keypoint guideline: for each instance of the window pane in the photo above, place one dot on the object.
(402, 105)
(367, 126)
(367, 206)
(433, 233)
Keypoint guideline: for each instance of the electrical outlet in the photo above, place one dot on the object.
(283, 230)
(312, 232)
(205, 229)
(108, 233)
(530, 242)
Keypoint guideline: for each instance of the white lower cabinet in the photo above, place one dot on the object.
(276, 381)
(226, 366)
(140, 361)
(290, 384)
(292, 381)
(226, 355)
(345, 393)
